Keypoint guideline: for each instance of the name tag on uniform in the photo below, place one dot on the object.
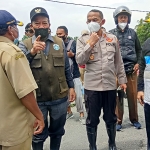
(110, 44)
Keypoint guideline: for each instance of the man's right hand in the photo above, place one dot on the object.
(93, 39)
(140, 97)
(38, 46)
(38, 126)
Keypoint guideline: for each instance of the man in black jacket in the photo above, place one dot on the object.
(144, 86)
(130, 50)
(70, 45)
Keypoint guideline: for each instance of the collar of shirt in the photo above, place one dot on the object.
(49, 38)
(66, 43)
(103, 36)
(5, 39)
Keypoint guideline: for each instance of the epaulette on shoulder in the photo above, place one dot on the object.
(12, 49)
(85, 34)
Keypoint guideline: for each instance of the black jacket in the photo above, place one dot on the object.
(145, 53)
(76, 73)
(130, 47)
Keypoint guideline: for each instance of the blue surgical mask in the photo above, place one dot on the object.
(16, 40)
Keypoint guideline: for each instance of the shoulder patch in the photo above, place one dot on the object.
(10, 48)
(19, 55)
(84, 38)
(109, 39)
(14, 46)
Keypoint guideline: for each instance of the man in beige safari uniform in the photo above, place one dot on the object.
(100, 52)
(17, 100)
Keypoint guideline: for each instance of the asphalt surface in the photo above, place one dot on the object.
(128, 139)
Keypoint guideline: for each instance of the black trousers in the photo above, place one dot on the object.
(147, 122)
(95, 101)
(57, 115)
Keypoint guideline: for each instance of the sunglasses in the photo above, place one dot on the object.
(30, 31)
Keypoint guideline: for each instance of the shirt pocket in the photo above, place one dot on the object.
(37, 61)
(58, 60)
(110, 53)
(63, 84)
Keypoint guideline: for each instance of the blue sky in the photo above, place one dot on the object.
(74, 17)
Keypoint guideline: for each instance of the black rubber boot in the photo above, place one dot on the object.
(55, 143)
(37, 146)
(92, 135)
(111, 131)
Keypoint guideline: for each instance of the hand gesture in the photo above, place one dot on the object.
(93, 39)
(38, 46)
(70, 54)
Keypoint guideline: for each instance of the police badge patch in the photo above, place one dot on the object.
(56, 47)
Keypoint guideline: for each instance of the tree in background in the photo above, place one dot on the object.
(75, 38)
(70, 38)
(143, 29)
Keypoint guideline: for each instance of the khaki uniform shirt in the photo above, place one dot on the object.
(16, 81)
(103, 62)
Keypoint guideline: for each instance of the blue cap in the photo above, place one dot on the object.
(7, 19)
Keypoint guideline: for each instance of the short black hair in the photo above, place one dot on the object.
(27, 27)
(64, 28)
(100, 13)
(3, 31)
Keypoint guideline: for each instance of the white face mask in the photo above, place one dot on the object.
(94, 26)
(122, 25)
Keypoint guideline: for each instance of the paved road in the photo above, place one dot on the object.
(128, 139)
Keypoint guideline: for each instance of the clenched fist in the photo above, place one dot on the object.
(93, 39)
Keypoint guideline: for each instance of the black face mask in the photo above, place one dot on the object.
(43, 32)
(63, 37)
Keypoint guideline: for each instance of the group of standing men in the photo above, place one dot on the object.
(109, 58)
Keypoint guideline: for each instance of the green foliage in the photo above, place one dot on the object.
(143, 29)
(70, 38)
(75, 38)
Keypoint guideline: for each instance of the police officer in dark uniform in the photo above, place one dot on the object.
(131, 52)
(50, 67)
